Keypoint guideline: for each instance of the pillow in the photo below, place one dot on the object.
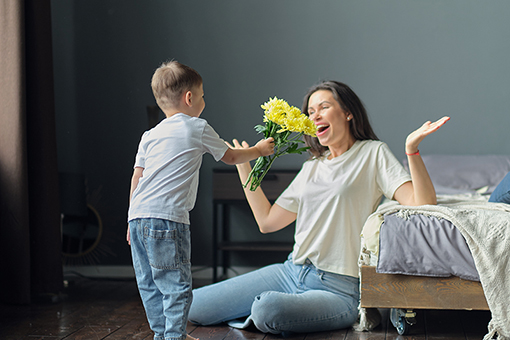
(453, 174)
(502, 192)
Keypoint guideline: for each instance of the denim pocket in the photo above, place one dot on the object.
(167, 244)
(337, 283)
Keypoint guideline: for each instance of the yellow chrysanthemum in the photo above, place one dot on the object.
(309, 127)
(288, 117)
(299, 123)
(275, 110)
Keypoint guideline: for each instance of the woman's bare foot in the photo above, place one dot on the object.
(189, 337)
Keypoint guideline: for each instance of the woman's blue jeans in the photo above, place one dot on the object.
(161, 260)
(280, 298)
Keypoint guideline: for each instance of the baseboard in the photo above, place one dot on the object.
(103, 272)
(126, 272)
(207, 272)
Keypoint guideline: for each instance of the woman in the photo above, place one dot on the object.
(317, 288)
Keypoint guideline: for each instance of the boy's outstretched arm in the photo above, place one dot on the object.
(137, 174)
(264, 147)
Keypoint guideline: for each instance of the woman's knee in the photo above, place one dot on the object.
(266, 311)
(276, 312)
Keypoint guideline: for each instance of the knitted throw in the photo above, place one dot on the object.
(486, 228)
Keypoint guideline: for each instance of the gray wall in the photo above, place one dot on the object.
(409, 61)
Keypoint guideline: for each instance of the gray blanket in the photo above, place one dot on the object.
(424, 246)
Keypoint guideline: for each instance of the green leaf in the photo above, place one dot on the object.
(301, 150)
(292, 148)
(260, 128)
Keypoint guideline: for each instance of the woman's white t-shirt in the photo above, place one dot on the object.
(333, 198)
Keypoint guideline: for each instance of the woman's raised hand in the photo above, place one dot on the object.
(237, 145)
(415, 137)
(244, 145)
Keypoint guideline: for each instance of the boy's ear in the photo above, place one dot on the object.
(187, 98)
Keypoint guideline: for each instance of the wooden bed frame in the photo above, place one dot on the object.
(406, 293)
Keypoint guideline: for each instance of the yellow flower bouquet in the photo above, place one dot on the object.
(281, 120)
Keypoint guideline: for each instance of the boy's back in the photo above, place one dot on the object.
(171, 155)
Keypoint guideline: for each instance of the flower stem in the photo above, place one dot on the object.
(256, 168)
(296, 137)
(256, 182)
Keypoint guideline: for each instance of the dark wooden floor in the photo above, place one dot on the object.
(106, 309)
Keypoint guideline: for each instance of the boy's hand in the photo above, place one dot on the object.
(265, 146)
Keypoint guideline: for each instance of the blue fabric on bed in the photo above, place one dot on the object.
(424, 246)
(502, 192)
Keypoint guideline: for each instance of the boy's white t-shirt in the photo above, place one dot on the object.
(333, 198)
(171, 156)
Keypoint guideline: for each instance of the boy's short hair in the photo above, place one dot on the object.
(171, 80)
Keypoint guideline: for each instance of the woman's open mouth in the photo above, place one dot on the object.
(321, 129)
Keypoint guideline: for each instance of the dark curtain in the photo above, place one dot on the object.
(30, 251)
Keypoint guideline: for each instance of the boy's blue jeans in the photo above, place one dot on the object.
(281, 298)
(161, 252)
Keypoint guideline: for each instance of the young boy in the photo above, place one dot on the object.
(163, 191)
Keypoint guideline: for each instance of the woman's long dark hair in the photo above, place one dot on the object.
(359, 125)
